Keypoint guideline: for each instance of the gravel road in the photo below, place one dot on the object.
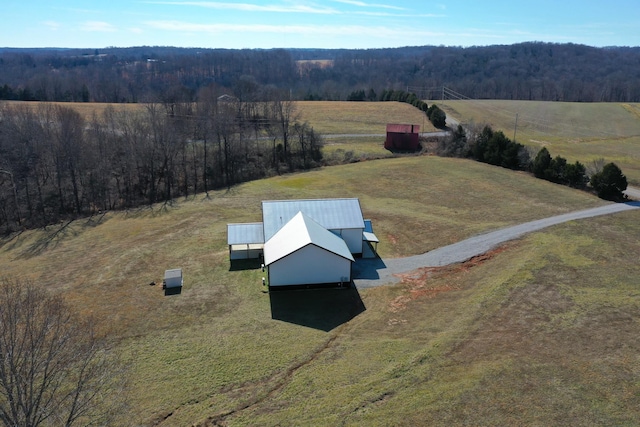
(368, 273)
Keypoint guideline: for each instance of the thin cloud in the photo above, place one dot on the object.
(399, 15)
(52, 25)
(298, 8)
(98, 26)
(249, 7)
(323, 30)
(372, 5)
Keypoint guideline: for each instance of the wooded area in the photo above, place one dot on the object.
(215, 117)
(528, 71)
(54, 164)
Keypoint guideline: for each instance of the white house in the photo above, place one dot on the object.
(304, 242)
(305, 253)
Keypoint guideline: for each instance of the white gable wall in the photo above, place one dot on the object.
(352, 237)
(308, 266)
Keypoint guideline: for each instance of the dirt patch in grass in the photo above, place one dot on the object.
(417, 283)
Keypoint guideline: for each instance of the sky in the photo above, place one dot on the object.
(351, 24)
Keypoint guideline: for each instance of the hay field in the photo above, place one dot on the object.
(327, 117)
(86, 109)
(576, 131)
(341, 117)
(447, 346)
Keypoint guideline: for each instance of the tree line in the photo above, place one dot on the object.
(528, 71)
(57, 164)
(434, 113)
(485, 145)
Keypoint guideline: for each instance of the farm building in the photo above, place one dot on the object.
(305, 253)
(402, 137)
(305, 242)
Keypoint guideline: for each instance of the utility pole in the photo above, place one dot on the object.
(515, 129)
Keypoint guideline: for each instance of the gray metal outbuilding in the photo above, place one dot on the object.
(305, 242)
(172, 278)
(340, 216)
(246, 241)
(303, 252)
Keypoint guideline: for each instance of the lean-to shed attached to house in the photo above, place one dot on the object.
(304, 253)
(246, 241)
(401, 137)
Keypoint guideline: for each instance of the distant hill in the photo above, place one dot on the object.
(525, 71)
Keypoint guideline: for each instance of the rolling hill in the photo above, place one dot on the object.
(541, 330)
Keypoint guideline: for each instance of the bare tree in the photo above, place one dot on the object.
(283, 115)
(54, 368)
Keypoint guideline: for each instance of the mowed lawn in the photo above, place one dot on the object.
(576, 131)
(541, 332)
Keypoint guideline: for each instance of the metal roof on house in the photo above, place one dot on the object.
(332, 214)
(301, 231)
(242, 234)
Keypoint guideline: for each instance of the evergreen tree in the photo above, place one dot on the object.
(576, 175)
(609, 183)
(541, 163)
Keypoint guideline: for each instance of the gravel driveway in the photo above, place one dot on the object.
(368, 273)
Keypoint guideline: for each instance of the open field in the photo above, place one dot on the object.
(576, 131)
(543, 331)
(86, 109)
(333, 117)
(327, 117)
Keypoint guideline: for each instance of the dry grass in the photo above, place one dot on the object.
(576, 131)
(215, 349)
(86, 109)
(542, 332)
(539, 333)
(337, 118)
(327, 117)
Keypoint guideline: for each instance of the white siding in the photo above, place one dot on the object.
(353, 239)
(308, 266)
(250, 251)
(298, 233)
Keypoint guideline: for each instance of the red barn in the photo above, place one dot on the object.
(402, 137)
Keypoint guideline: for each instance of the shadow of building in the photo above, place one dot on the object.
(323, 309)
(245, 264)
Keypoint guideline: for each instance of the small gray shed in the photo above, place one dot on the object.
(172, 278)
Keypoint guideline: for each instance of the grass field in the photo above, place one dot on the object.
(542, 331)
(331, 117)
(576, 131)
